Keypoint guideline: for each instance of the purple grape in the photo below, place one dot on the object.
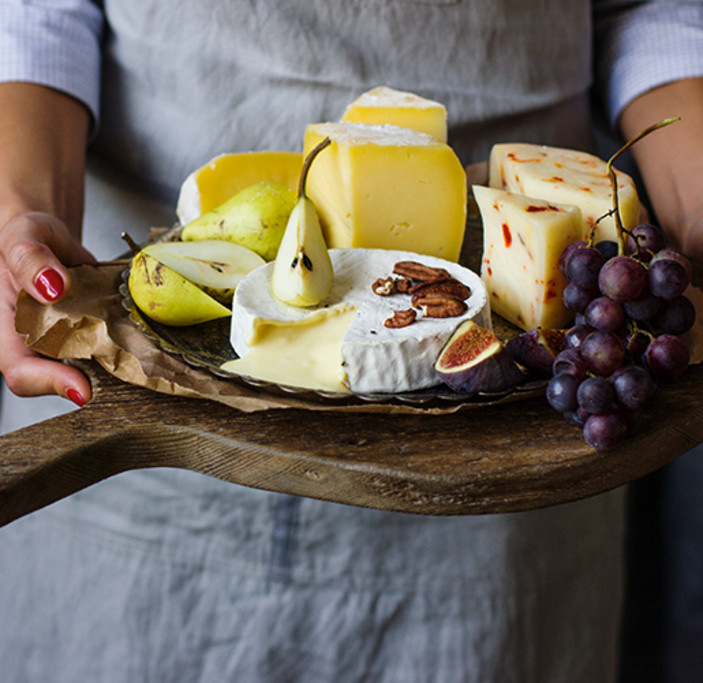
(577, 298)
(575, 335)
(622, 279)
(604, 314)
(667, 278)
(561, 392)
(644, 241)
(674, 255)
(667, 357)
(676, 316)
(577, 417)
(568, 250)
(605, 431)
(595, 395)
(583, 266)
(633, 386)
(602, 352)
(643, 307)
(569, 361)
(636, 343)
(609, 248)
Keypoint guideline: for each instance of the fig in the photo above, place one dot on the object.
(475, 360)
(536, 349)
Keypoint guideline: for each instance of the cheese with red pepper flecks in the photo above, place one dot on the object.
(565, 176)
(523, 238)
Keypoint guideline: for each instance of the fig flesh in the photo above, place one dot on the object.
(474, 360)
(536, 349)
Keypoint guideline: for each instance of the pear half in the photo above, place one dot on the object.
(255, 218)
(172, 282)
(302, 274)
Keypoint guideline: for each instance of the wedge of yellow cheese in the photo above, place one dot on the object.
(387, 187)
(523, 238)
(384, 105)
(224, 176)
(565, 176)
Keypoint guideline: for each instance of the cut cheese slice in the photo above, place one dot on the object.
(211, 185)
(387, 187)
(369, 357)
(565, 176)
(523, 238)
(385, 105)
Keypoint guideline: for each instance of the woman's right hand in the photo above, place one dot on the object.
(35, 249)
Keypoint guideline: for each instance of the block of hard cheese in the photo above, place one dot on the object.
(522, 240)
(565, 176)
(385, 105)
(387, 187)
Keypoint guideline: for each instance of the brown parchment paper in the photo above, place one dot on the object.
(91, 323)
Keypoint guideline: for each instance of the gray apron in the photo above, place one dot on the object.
(167, 575)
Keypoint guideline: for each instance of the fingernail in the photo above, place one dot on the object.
(49, 283)
(75, 396)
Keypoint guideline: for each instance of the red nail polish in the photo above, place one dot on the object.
(49, 283)
(75, 396)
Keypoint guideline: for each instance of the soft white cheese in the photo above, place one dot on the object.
(372, 358)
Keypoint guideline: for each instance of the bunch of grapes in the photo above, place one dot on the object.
(630, 310)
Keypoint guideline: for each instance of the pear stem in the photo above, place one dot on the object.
(134, 247)
(307, 163)
(620, 229)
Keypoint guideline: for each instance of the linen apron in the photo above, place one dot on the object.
(172, 576)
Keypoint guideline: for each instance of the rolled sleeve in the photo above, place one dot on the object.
(55, 43)
(640, 46)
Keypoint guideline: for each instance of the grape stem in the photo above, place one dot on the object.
(614, 182)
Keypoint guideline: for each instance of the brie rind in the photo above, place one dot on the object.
(375, 358)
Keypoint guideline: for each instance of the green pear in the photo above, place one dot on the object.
(302, 273)
(255, 217)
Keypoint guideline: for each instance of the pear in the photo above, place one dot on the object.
(178, 283)
(255, 218)
(302, 273)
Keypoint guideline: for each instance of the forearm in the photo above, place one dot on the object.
(671, 159)
(43, 137)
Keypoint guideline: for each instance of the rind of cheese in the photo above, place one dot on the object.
(387, 187)
(565, 176)
(225, 175)
(523, 238)
(384, 105)
(374, 358)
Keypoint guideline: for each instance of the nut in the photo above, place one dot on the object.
(440, 307)
(384, 286)
(401, 318)
(452, 289)
(403, 285)
(419, 272)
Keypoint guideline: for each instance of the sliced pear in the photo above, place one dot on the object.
(169, 298)
(302, 274)
(255, 218)
(216, 266)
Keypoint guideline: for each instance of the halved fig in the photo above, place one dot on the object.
(474, 360)
(536, 349)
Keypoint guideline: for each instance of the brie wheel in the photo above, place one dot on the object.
(326, 348)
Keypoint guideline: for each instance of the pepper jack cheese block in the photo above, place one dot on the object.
(565, 176)
(342, 344)
(221, 178)
(387, 187)
(522, 240)
(385, 105)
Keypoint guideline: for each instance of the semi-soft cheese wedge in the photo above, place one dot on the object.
(565, 176)
(342, 344)
(221, 178)
(522, 240)
(387, 187)
(386, 105)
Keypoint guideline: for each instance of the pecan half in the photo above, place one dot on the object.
(420, 272)
(448, 288)
(401, 318)
(440, 307)
(403, 285)
(384, 286)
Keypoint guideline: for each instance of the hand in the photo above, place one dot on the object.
(33, 248)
